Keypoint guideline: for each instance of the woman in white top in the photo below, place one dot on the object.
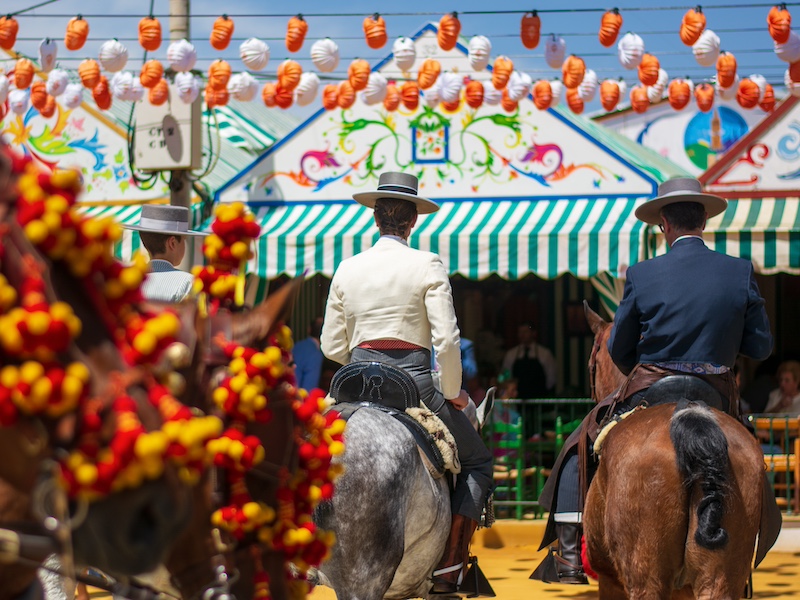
(786, 398)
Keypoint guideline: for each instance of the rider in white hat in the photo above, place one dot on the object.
(163, 231)
(389, 304)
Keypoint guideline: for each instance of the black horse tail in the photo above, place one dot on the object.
(701, 449)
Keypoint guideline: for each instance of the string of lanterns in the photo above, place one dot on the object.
(107, 80)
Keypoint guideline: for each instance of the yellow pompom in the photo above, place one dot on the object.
(56, 204)
(236, 451)
(94, 228)
(314, 494)
(258, 454)
(130, 278)
(36, 231)
(238, 382)
(172, 429)
(260, 360)
(66, 179)
(38, 322)
(61, 311)
(337, 427)
(52, 221)
(80, 371)
(259, 402)
(9, 376)
(153, 444)
(86, 474)
(31, 371)
(251, 510)
(220, 396)
(41, 390)
(239, 250)
(145, 342)
(248, 394)
(188, 476)
(216, 519)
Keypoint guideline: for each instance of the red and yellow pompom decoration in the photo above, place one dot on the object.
(227, 251)
(134, 455)
(114, 451)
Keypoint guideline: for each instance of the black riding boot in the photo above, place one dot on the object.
(568, 559)
(447, 574)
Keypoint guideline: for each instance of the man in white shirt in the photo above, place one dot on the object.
(389, 304)
(531, 364)
(163, 231)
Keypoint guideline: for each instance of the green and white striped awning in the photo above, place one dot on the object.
(511, 238)
(127, 215)
(764, 230)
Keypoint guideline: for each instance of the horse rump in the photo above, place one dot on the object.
(701, 451)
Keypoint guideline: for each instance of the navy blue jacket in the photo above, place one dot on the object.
(690, 305)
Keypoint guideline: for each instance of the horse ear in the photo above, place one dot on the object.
(596, 322)
(261, 322)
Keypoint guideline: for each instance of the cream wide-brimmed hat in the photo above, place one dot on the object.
(400, 186)
(169, 220)
(679, 189)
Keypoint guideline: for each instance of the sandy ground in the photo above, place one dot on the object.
(507, 555)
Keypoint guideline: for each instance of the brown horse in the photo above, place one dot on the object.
(674, 508)
(126, 532)
(204, 561)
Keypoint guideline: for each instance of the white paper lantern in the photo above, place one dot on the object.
(113, 56)
(518, 86)
(137, 90)
(243, 87)
(325, 55)
(181, 56)
(630, 50)
(57, 82)
(72, 96)
(431, 95)
(306, 91)
(404, 52)
(792, 87)
(254, 54)
(555, 49)
(491, 95)
(706, 49)
(588, 87)
(120, 85)
(18, 101)
(730, 92)
(557, 90)
(375, 91)
(188, 87)
(48, 51)
(480, 49)
(5, 85)
(761, 82)
(623, 88)
(655, 92)
(450, 85)
(790, 50)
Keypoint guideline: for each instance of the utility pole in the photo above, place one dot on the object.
(180, 185)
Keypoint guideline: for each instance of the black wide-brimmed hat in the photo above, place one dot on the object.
(401, 186)
(679, 189)
(169, 220)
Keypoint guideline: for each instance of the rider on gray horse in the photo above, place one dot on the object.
(691, 311)
(389, 304)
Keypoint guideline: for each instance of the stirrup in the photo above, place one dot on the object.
(572, 574)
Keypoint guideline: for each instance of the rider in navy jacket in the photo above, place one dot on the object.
(691, 305)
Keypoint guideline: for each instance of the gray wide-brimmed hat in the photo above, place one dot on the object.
(169, 220)
(400, 186)
(679, 189)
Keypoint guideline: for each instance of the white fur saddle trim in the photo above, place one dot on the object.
(598, 443)
(444, 440)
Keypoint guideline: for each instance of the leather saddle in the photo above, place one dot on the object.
(386, 388)
(684, 388)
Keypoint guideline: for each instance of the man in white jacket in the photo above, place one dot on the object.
(389, 304)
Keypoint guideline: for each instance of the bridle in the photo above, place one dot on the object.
(593, 367)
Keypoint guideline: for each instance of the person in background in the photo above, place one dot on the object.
(785, 399)
(163, 231)
(531, 364)
(308, 357)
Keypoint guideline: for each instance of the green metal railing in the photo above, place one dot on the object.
(778, 435)
(525, 437)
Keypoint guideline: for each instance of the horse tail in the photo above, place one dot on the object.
(701, 449)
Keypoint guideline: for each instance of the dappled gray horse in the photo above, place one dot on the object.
(390, 510)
